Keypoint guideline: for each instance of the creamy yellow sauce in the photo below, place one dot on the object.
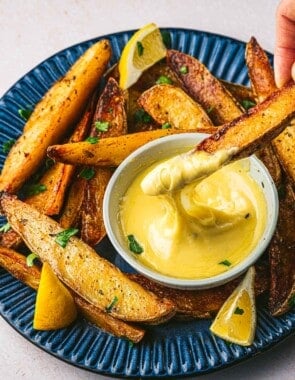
(200, 230)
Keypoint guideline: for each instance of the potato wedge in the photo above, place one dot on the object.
(258, 127)
(109, 121)
(239, 92)
(281, 255)
(54, 115)
(10, 239)
(71, 213)
(203, 87)
(95, 279)
(15, 264)
(58, 177)
(110, 151)
(170, 104)
(260, 72)
(203, 303)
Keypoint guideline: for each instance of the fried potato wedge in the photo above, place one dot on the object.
(58, 177)
(203, 303)
(259, 126)
(71, 213)
(15, 264)
(54, 115)
(92, 277)
(239, 92)
(203, 87)
(281, 255)
(110, 151)
(109, 121)
(260, 72)
(170, 104)
(10, 239)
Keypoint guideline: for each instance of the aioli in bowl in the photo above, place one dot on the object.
(201, 230)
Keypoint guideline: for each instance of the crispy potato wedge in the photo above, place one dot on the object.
(203, 87)
(92, 277)
(109, 121)
(170, 104)
(281, 255)
(260, 72)
(203, 303)
(15, 264)
(71, 213)
(54, 115)
(58, 177)
(10, 239)
(258, 127)
(110, 151)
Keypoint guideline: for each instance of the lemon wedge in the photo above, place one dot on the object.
(236, 320)
(55, 307)
(144, 49)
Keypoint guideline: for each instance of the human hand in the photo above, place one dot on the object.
(284, 56)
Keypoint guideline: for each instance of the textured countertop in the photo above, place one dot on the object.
(33, 30)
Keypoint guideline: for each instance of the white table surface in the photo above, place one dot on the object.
(31, 31)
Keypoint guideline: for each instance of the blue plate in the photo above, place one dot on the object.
(176, 348)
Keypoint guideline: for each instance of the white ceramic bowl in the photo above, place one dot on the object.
(160, 149)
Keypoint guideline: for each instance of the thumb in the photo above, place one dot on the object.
(284, 56)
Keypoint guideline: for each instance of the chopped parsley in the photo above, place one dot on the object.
(210, 109)
(247, 104)
(87, 173)
(183, 70)
(25, 113)
(112, 304)
(34, 189)
(140, 48)
(64, 236)
(163, 80)
(92, 140)
(227, 263)
(30, 259)
(141, 116)
(5, 228)
(102, 126)
(166, 126)
(134, 246)
(239, 311)
(7, 145)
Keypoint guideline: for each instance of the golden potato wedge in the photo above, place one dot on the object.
(263, 83)
(15, 264)
(169, 104)
(260, 72)
(239, 92)
(92, 277)
(54, 115)
(110, 151)
(58, 177)
(258, 127)
(203, 87)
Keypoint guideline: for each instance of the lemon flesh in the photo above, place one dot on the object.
(55, 307)
(143, 50)
(236, 320)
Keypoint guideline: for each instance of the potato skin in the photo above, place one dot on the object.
(54, 115)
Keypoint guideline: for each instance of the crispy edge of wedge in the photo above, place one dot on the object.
(15, 264)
